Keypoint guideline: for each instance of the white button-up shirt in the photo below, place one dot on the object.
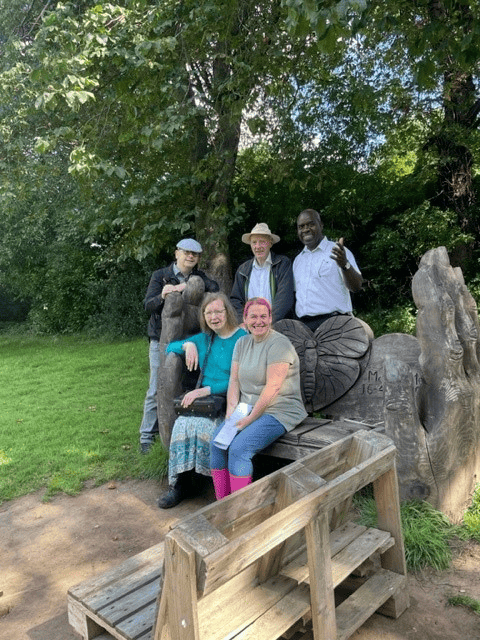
(319, 284)
(259, 283)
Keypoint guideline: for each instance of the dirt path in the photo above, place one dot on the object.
(47, 548)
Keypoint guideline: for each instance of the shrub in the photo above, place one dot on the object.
(399, 319)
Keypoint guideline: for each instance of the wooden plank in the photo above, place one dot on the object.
(138, 624)
(396, 605)
(357, 552)
(83, 625)
(160, 626)
(288, 451)
(243, 523)
(297, 482)
(235, 613)
(150, 557)
(388, 508)
(201, 535)
(328, 458)
(320, 577)
(339, 539)
(125, 586)
(356, 609)
(301, 481)
(324, 436)
(93, 625)
(130, 604)
(346, 560)
(222, 565)
(359, 451)
(279, 618)
(181, 591)
(307, 425)
(225, 514)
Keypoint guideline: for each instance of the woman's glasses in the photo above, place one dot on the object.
(217, 312)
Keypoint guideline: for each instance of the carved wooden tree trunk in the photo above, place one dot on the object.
(179, 319)
(438, 432)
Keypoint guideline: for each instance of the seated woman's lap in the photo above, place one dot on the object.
(248, 442)
(190, 445)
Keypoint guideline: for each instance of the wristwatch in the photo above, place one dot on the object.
(347, 266)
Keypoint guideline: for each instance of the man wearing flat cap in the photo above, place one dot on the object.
(163, 282)
(266, 275)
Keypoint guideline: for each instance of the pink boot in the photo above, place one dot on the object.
(221, 483)
(238, 482)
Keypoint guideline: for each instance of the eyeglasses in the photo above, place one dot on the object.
(218, 312)
(194, 254)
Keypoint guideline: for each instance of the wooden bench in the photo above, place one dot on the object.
(315, 433)
(264, 561)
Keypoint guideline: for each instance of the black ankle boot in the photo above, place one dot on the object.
(173, 497)
(176, 493)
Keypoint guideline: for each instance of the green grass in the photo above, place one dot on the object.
(426, 531)
(70, 409)
(465, 601)
(471, 519)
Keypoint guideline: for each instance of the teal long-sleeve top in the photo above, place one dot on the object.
(219, 361)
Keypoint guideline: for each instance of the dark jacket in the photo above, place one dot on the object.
(153, 298)
(281, 287)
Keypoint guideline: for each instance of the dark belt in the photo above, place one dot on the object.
(323, 316)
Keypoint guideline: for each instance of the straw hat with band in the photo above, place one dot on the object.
(260, 229)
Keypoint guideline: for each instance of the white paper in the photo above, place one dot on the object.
(229, 430)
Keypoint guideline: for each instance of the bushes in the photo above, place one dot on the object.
(400, 319)
(121, 312)
(75, 296)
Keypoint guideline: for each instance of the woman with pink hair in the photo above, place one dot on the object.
(265, 374)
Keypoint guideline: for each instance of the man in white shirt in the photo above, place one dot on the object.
(324, 273)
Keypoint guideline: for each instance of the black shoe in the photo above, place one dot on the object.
(145, 447)
(173, 497)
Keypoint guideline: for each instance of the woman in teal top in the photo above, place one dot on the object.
(190, 443)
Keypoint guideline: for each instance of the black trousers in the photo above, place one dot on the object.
(313, 322)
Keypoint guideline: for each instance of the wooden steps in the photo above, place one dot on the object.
(262, 562)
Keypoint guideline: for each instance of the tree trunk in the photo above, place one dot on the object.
(213, 197)
(461, 109)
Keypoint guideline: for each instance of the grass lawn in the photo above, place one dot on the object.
(70, 410)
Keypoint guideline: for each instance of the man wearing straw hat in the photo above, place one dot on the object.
(266, 275)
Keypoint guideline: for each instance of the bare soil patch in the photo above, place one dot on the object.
(45, 548)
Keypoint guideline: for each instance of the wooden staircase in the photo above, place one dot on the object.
(265, 562)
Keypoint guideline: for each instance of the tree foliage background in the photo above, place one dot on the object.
(127, 125)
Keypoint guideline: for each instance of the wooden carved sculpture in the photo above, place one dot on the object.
(330, 358)
(437, 429)
(179, 319)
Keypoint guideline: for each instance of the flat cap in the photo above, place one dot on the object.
(189, 244)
